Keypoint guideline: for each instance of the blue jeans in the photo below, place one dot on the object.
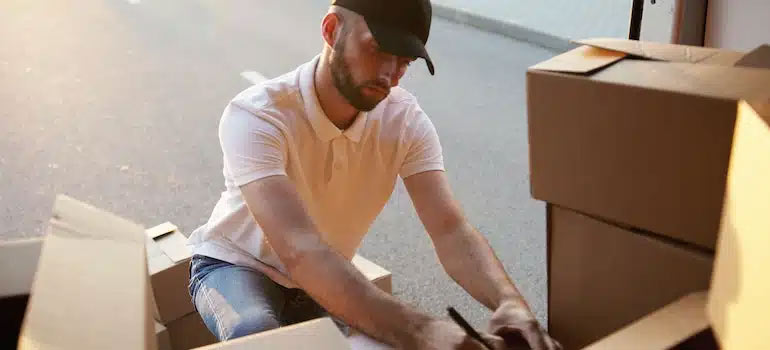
(235, 301)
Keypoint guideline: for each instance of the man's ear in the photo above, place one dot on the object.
(329, 28)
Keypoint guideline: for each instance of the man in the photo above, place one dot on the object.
(310, 159)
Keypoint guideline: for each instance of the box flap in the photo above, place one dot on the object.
(82, 219)
(174, 245)
(91, 289)
(757, 58)
(170, 241)
(738, 301)
(661, 329)
(18, 262)
(659, 51)
(584, 59)
(369, 269)
(320, 334)
(160, 230)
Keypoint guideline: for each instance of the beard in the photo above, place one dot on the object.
(343, 81)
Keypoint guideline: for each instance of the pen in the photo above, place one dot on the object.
(467, 327)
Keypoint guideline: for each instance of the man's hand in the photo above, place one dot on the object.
(518, 327)
(446, 335)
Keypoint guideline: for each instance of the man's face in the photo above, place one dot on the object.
(361, 71)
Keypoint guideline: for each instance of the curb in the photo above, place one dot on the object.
(502, 27)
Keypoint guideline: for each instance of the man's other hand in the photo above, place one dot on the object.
(516, 325)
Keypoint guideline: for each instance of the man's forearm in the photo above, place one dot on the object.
(471, 262)
(340, 288)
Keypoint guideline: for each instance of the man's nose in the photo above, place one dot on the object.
(389, 67)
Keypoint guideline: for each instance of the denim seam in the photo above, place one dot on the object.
(220, 325)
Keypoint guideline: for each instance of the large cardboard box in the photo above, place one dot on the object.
(603, 277)
(739, 299)
(91, 288)
(681, 325)
(168, 260)
(319, 334)
(639, 133)
(162, 336)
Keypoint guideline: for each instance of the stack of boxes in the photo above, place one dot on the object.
(630, 146)
(98, 281)
(178, 325)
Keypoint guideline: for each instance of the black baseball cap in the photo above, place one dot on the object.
(400, 27)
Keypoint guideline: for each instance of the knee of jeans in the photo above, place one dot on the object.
(253, 321)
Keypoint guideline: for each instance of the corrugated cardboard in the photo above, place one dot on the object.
(91, 289)
(318, 334)
(645, 143)
(603, 277)
(168, 260)
(739, 303)
(189, 332)
(379, 276)
(162, 336)
(663, 329)
(18, 262)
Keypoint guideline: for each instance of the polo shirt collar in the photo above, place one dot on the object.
(323, 127)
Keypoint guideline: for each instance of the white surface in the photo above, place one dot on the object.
(741, 25)
(568, 19)
(360, 341)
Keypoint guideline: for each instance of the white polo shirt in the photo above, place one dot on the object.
(344, 178)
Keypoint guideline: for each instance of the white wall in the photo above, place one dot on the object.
(568, 19)
(743, 25)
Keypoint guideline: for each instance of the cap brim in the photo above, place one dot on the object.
(399, 42)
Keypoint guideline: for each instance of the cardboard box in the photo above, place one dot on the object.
(672, 327)
(18, 262)
(189, 332)
(603, 277)
(168, 260)
(376, 274)
(319, 334)
(639, 133)
(739, 304)
(91, 289)
(162, 336)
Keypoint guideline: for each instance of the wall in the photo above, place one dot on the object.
(743, 25)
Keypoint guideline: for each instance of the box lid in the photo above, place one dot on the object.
(92, 271)
(665, 52)
(583, 59)
(738, 302)
(166, 247)
(661, 329)
(598, 53)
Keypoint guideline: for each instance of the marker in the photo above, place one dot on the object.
(467, 327)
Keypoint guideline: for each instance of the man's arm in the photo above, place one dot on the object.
(463, 251)
(468, 258)
(332, 280)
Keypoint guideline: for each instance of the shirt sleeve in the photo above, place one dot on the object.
(424, 152)
(253, 146)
